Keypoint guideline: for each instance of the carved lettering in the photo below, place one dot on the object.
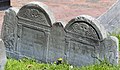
(32, 42)
(83, 29)
(34, 15)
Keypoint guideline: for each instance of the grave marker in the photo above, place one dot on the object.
(56, 48)
(28, 33)
(84, 37)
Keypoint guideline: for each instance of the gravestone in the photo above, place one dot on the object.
(110, 19)
(9, 32)
(56, 48)
(30, 32)
(26, 34)
(3, 58)
(109, 50)
(84, 36)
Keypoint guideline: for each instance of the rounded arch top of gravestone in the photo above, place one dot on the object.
(37, 12)
(86, 26)
(58, 24)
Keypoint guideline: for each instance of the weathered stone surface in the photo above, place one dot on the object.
(9, 31)
(30, 32)
(110, 19)
(56, 48)
(3, 58)
(83, 41)
(33, 31)
(110, 49)
(26, 32)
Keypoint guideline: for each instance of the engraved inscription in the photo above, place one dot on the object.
(9, 35)
(33, 43)
(34, 15)
(26, 31)
(79, 48)
(79, 52)
(83, 29)
(82, 38)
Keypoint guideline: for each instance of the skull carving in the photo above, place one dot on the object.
(80, 28)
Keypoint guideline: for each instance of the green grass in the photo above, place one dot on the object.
(118, 36)
(27, 64)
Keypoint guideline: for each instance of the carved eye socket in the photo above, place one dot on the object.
(34, 15)
(81, 26)
(85, 28)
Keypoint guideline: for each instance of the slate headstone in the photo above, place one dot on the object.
(26, 34)
(9, 32)
(30, 32)
(3, 58)
(56, 48)
(110, 50)
(84, 39)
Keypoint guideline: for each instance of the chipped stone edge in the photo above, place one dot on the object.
(12, 9)
(46, 8)
(115, 39)
(94, 22)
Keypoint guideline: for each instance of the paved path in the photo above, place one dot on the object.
(64, 10)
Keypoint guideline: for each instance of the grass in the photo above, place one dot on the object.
(27, 64)
(118, 36)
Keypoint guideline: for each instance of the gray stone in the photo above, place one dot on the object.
(56, 48)
(110, 19)
(30, 32)
(3, 58)
(9, 31)
(34, 23)
(26, 31)
(84, 36)
(110, 50)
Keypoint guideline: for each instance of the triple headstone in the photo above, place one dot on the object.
(31, 32)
